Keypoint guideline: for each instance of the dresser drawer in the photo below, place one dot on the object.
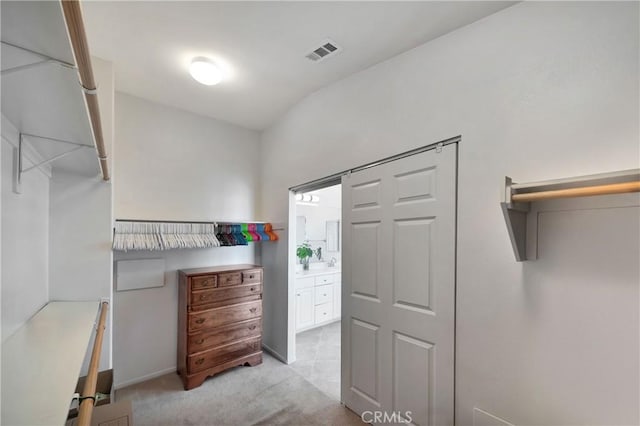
(254, 276)
(224, 293)
(323, 312)
(324, 279)
(223, 335)
(232, 278)
(222, 354)
(226, 315)
(207, 281)
(323, 294)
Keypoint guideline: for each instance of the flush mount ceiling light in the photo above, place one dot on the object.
(205, 71)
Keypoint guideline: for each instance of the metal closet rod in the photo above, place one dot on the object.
(77, 34)
(219, 222)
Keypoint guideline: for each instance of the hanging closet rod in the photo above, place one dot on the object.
(219, 222)
(89, 391)
(334, 179)
(75, 27)
(614, 188)
(624, 181)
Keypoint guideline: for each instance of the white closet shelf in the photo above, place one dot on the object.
(520, 196)
(41, 363)
(41, 91)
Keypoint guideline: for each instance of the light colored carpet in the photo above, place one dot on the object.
(272, 393)
(318, 358)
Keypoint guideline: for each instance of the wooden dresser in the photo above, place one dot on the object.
(219, 320)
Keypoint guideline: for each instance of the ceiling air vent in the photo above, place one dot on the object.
(327, 48)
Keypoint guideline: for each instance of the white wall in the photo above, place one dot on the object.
(538, 91)
(25, 239)
(174, 165)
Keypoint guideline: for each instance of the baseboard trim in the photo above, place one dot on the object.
(144, 378)
(274, 353)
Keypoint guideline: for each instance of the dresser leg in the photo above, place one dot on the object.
(254, 360)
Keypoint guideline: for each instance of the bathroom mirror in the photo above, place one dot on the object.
(301, 230)
(333, 235)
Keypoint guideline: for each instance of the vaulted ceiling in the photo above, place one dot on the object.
(263, 44)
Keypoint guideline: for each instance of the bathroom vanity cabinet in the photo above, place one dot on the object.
(318, 298)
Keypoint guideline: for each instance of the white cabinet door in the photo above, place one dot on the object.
(304, 308)
(399, 287)
(337, 296)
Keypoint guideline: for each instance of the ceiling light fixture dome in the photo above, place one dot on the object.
(205, 71)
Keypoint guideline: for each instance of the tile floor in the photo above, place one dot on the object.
(318, 358)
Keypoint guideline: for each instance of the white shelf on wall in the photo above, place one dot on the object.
(519, 197)
(41, 93)
(41, 363)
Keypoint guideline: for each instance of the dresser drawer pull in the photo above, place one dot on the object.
(199, 361)
(199, 341)
(251, 276)
(253, 310)
(199, 320)
(252, 289)
(252, 327)
(204, 297)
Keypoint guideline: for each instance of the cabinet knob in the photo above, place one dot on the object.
(203, 297)
(252, 327)
(250, 277)
(199, 361)
(253, 289)
(199, 341)
(199, 320)
(252, 310)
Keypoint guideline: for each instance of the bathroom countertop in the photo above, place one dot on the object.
(320, 271)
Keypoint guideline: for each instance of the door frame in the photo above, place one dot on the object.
(291, 257)
(335, 179)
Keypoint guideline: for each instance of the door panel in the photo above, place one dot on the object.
(304, 308)
(398, 284)
(365, 278)
(413, 377)
(364, 365)
(411, 275)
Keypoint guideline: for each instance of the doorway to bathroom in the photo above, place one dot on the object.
(317, 279)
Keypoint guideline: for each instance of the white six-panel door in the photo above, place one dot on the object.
(399, 287)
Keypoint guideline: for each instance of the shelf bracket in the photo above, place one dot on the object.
(515, 216)
(19, 169)
(47, 60)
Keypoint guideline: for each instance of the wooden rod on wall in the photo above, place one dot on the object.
(77, 35)
(86, 406)
(614, 188)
